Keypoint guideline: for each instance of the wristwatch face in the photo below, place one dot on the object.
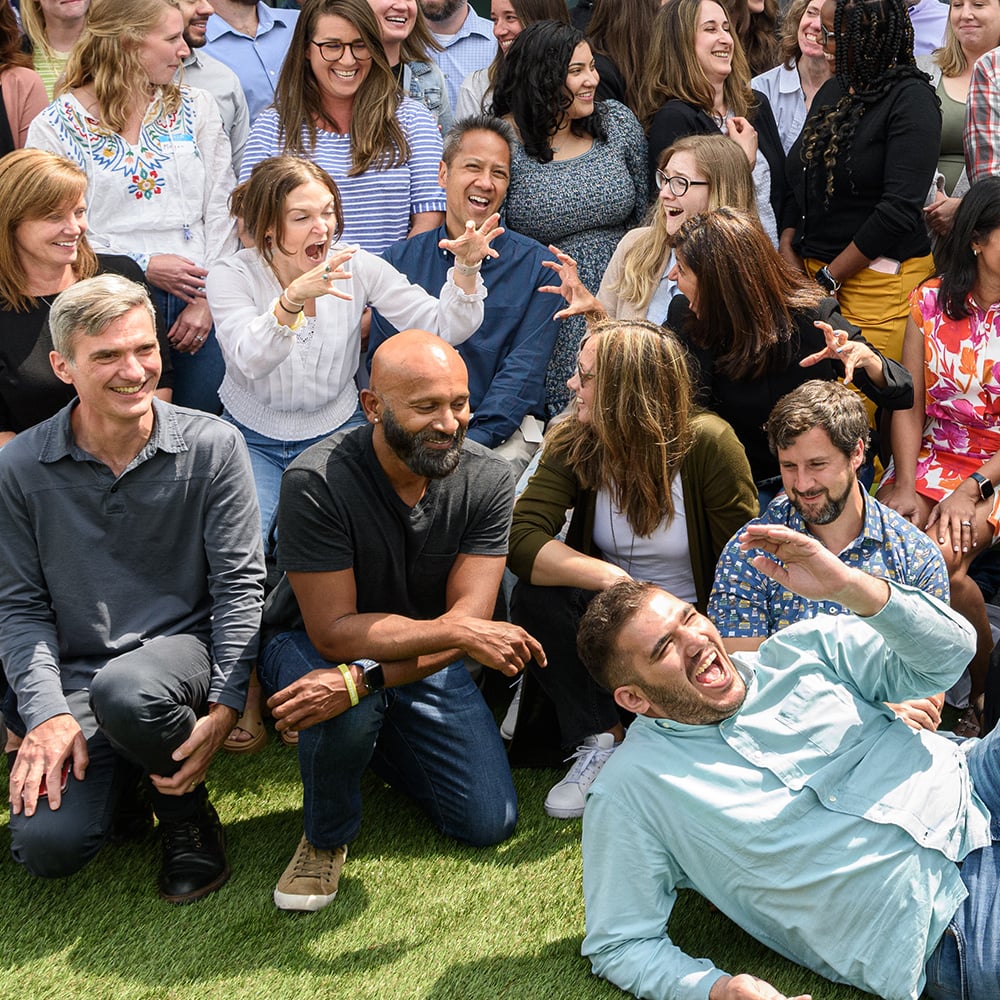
(985, 486)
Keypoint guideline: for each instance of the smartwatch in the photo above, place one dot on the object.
(826, 281)
(373, 674)
(986, 489)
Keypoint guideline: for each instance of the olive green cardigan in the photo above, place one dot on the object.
(719, 498)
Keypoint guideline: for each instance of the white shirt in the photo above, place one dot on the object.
(293, 385)
(167, 193)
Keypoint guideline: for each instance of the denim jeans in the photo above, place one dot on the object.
(966, 963)
(433, 739)
(269, 458)
(197, 377)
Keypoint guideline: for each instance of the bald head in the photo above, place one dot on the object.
(418, 401)
(414, 356)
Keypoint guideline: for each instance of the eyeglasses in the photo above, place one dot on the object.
(826, 35)
(584, 377)
(678, 185)
(334, 51)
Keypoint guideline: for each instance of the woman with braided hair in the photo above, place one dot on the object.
(863, 166)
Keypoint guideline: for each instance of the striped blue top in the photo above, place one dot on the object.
(377, 204)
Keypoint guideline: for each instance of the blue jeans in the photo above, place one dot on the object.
(197, 377)
(966, 963)
(434, 740)
(269, 458)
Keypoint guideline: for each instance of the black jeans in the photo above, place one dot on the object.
(551, 615)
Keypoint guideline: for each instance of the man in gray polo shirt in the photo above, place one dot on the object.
(131, 580)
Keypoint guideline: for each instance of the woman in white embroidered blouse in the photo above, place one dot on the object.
(288, 314)
(159, 171)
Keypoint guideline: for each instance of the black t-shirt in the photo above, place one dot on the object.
(29, 389)
(339, 511)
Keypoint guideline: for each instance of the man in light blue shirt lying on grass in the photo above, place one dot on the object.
(779, 786)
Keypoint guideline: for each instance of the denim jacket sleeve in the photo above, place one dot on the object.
(424, 82)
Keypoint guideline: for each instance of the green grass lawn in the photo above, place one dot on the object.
(418, 916)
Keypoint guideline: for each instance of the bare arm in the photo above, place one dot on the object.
(907, 431)
(406, 648)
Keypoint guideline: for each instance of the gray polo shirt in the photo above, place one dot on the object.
(91, 565)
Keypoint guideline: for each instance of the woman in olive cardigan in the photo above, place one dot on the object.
(657, 489)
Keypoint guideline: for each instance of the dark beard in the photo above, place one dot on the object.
(409, 448)
(447, 10)
(830, 510)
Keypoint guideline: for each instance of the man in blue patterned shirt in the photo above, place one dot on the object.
(819, 432)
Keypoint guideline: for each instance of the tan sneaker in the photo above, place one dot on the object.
(310, 881)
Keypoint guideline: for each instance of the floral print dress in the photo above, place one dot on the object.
(962, 393)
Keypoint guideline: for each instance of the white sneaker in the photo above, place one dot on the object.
(510, 719)
(566, 800)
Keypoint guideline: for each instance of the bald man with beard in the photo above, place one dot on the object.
(392, 537)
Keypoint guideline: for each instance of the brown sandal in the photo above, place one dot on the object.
(250, 722)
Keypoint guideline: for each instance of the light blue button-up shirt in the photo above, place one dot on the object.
(472, 47)
(256, 61)
(812, 817)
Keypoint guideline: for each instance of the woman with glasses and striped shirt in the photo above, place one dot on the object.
(338, 104)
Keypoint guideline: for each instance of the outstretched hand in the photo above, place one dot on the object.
(473, 246)
(579, 298)
(840, 347)
(318, 280)
(804, 566)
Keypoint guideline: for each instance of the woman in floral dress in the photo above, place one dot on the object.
(945, 450)
(159, 171)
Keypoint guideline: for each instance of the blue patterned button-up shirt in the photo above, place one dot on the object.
(746, 604)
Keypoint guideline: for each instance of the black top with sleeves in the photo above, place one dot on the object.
(29, 389)
(747, 403)
(677, 119)
(879, 185)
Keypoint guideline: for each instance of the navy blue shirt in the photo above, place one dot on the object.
(508, 355)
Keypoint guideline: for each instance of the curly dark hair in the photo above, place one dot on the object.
(978, 215)
(874, 52)
(531, 87)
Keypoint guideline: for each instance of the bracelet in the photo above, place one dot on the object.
(352, 688)
(468, 270)
(283, 297)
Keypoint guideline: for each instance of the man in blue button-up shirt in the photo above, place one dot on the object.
(252, 39)
(508, 355)
(779, 786)
(819, 432)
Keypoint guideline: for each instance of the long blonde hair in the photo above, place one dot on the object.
(730, 182)
(635, 440)
(33, 22)
(377, 140)
(33, 184)
(107, 56)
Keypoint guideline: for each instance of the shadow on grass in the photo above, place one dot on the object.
(107, 921)
(555, 972)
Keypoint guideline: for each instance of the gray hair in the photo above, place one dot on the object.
(90, 306)
(829, 405)
(475, 123)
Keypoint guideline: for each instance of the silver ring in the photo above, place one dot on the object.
(966, 524)
(198, 340)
